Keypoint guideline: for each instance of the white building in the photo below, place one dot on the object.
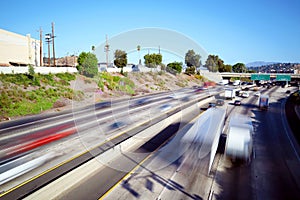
(16, 49)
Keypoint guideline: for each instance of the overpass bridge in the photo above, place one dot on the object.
(261, 76)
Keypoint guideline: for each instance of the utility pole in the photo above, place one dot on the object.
(48, 40)
(106, 51)
(53, 43)
(41, 46)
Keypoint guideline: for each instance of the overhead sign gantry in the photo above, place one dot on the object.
(266, 77)
(260, 77)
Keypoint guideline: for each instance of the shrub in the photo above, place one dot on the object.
(31, 70)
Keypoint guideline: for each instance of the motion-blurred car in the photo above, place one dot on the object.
(237, 102)
(165, 107)
(142, 101)
(220, 102)
(245, 94)
(118, 124)
(211, 105)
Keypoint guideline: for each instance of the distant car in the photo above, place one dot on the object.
(142, 101)
(165, 107)
(220, 102)
(257, 94)
(117, 125)
(237, 102)
(245, 94)
(211, 105)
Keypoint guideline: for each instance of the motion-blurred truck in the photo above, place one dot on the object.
(263, 103)
(239, 138)
(230, 93)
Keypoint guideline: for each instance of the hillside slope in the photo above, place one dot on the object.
(24, 94)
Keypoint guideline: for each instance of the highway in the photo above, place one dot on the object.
(156, 164)
(272, 174)
(69, 140)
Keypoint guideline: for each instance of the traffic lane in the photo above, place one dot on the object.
(100, 183)
(233, 179)
(176, 171)
(268, 175)
(68, 151)
(16, 144)
(273, 157)
(126, 162)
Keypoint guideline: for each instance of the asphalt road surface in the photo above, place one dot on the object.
(274, 170)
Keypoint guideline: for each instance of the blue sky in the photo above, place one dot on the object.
(237, 31)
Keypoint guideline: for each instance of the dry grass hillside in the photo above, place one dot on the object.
(140, 84)
(24, 94)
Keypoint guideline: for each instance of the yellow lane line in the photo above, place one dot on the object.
(140, 164)
(69, 160)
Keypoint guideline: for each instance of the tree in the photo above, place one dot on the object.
(82, 56)
(93, 48)
(192, 59)
(87, 64)
(120, 58)
(227, 68)
(152, 60)
(239, 68)
(90, 65)
(190, 70)
(174, 66)
(221, 66)
(214, 63)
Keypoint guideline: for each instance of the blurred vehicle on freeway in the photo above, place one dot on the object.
(165, 107)
(220, 102)
(211, 105)
(237, 102)
(245, 94)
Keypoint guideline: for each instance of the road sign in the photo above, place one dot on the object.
(260, 77)
(283, 77)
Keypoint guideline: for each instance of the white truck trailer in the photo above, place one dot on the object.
(230, 93)
(239, 138)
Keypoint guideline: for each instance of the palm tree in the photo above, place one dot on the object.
(139, 49)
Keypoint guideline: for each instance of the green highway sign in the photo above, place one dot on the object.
(283, 77)
(260, 77)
